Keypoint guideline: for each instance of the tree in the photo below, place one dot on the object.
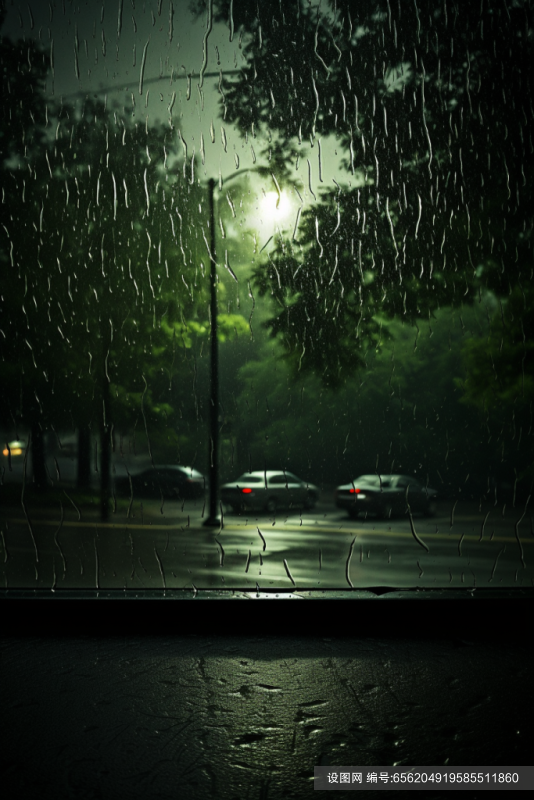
(403, 412)
(499, 378)
(24, 122)
(104, 282)
(435, 206)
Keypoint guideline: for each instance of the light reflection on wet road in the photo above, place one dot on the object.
(320, 549)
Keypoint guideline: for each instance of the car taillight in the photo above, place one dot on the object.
(354, 491)
(246, 491)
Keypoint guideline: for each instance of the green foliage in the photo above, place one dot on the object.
(404, 412)
(104, 280)
(436, 203)
(500, 367)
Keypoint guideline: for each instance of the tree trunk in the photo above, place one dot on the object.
(105, 421)
(105, 450)
(40, 481)
(83, 480)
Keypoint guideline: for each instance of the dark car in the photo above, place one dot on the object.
(386, 496)
(168, 481)
(269, 490)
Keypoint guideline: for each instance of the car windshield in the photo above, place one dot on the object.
(372, 480)
(288, 239)
(189, 472)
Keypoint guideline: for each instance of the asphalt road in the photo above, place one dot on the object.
(465, 545)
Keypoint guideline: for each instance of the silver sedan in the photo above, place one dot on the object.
(386, 496)
(269, 490)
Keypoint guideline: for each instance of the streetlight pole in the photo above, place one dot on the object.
(213, 520)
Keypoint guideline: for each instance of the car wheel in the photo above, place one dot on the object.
(271, 505)
(352, 512)
(431, 509)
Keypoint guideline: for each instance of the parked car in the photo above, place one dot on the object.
(269, 490)
(166, 480)
(386, 496)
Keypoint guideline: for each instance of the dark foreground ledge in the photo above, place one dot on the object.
(471, 614)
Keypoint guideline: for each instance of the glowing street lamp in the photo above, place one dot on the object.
(274, 205)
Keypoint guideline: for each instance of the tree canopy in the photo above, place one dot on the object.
(104, 266)
(430, 111)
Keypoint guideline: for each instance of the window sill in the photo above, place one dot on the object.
(498, 614)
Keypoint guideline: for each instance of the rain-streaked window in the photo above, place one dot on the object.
(266, 284)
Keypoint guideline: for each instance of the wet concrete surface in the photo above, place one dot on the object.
(248, 714)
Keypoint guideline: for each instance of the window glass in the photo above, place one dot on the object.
(241, 238)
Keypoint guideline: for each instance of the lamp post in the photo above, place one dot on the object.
(214, 518)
